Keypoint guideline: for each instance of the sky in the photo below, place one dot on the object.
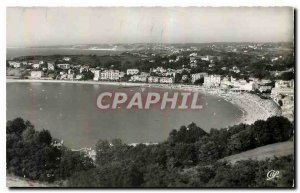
(37, 26)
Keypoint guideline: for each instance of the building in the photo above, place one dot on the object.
(97, 75)
(243, 85)
(132, 71)
(138, 78)
(79, 76)
(158, 70)
(264, 88)
(206, 58)
(283, 95)
(212, 81)
(66, 59)
(70, 76)
(121, 74)
(64, 66)
(36, 74)
(36, 66)
(198, 76)
(15, 64)
(184, 77)
(110, 75)
(70, 71)
(83, 69)
(50, 66)
(153, 79)
(283, 88)
(167, 80)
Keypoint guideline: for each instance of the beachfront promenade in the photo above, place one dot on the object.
(253, 107)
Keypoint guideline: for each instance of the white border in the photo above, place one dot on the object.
(107, 3)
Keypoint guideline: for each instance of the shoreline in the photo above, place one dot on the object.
(263, 108)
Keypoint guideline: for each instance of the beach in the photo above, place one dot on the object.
(253, 107)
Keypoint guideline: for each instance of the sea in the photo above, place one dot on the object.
(12, 53)
(70, 113)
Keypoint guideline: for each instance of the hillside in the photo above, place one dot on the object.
(15, 182)
(261, 153)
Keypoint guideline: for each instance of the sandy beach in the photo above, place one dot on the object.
(253, 107)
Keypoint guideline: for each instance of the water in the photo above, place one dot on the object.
(69, 112)
(17, 52)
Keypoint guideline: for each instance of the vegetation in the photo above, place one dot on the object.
(30, 154)
(188, 158)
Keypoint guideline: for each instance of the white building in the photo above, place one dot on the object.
(283, 88)
(97, 75)
(14, 64)
(83, 69)
(212, 81)
(159, 70)
(198, 76)
(110, 75)
(70, 76)
(64, 66)
(70, 71)
(36, 74)
(132, 71)
(78, 76)
(153, 79)
(264, 88)
(36, 66)
(167, 80)
(50, 66)
(193, 54)
(67, 59)
(138, 78)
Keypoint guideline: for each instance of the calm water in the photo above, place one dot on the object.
(17, 52)
(70, 113)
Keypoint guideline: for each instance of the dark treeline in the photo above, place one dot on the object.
(188, 158)
(31, 154)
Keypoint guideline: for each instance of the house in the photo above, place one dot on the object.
(132, 71)
(110, 75)
(283, 88)
(212, 81)
(79, 76)
(206, 58)
(184, 77)
(243, 85)
(198, 76)
(97, 75)
(36, 74)
(50, 66)
(70, 76)
(167, 80)
(121, 74)
(36, 66)
(14, 64)
(264, 88)
(153, 79)
(64, 66)
(138, 78)
(66, 59)
(70, 71)
(158, 70)
(83, 69)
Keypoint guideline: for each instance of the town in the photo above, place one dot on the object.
(266, 70)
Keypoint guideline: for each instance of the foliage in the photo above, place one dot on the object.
(30, 154)
(188, 158)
